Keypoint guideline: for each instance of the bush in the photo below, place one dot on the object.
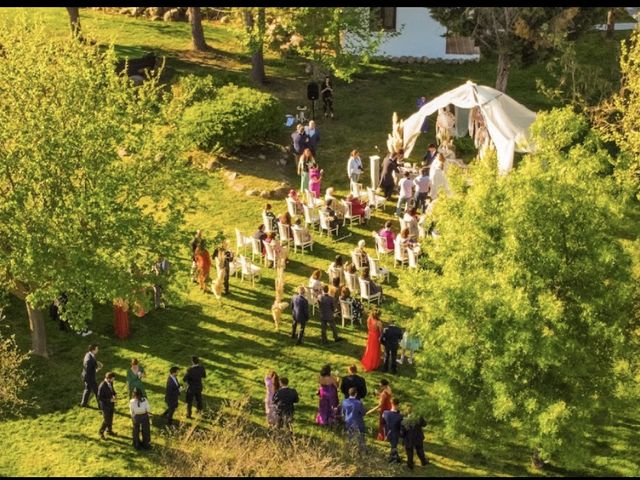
(196, 88)
(236, 117)
(464, 146)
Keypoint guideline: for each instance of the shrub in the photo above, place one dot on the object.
(236, 117)
(197, 88)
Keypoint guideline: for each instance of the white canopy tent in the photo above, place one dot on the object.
(507, 121)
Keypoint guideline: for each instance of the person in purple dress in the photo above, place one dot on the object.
(328, 393)
(272, 384)
(421, 102)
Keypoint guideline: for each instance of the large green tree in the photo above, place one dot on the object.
(92, 181)
(517, 34)
(525, 304)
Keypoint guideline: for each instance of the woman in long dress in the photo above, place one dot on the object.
(203, 260)
(272, 384)
(372, 354)
(328, 393)
(384, 404)
(135, 374)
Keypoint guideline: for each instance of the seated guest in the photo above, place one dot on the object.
(356, 305)
(285, 219)
(337, 206)
(293, 196)
(314, 282)
(269, 214)
(336, 272)
(361, 254)
(331, 214)
(278, 249)
(304, 233)
(411, 218)
(373, 287)
(406, 241)
(260, 235)
(359, 208)
(388, 235)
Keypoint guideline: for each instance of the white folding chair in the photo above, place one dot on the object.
(325, 224)
(248, 269)
(381, 246)
(348, 215)
(357, 190)
(411, 257)
(291, 207)
(356, 258)
(376, 271)
(311, 216)
(312, 298)
(311, 199)
(400, 253)
(241, 241)
(268, 223)
(375, 200)
(299, 242)
(403, 225)
(345, 312)
(351, 281)
(270, 254)
(365, 292)
(283, 233)
(256, 249)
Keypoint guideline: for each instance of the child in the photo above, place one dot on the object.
(315, 179)
(409, 342)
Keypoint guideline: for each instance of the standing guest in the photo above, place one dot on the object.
(384, 404)
(423, 187)
(327, 311)
(172, 394)
(371, 359)
(224, 258)
(285, 399)
(353, 413)
(300, 140)
(430, 156)
(421, 102)
(140, 411)
(272, 385)
(336, 272)
(392, 420)
(193, 379)
(405, 189)
(195, 242)
(354, 167)
(439, 180)
(389, 165)
(353, 380)
(327, 96)
(135, 374)
(160, 268)
(107, 399)
(304, 164)
(89, 368)
(313, 137)
(390, 338)
(328, 393)
(356, 305)
(413, 438)
(300, 313)
(315, 180)
(203, 260)
(388, 235)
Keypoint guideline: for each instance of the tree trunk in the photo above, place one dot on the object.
(38, 332)
(74, 18)
(502, 76)
(197, 34)
(258, 74)
(611, 23)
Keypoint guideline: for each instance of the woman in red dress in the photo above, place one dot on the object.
(384, 404)
(372, 354)
(203, 260)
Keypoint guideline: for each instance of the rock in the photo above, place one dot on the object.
(411, 59)
(126, 11)
(173, 15)
(232, 176)
(280, 193)
(156, 18)
(282, 161)
(262, 156)
(137, 11)
(122, 152)
(403, 59)
(424, 59)
(238, 187)
(211, 165)
(284, 149)
(251, 192)
(267, 194)
(155, 11)
(395, 59)
(137, 79)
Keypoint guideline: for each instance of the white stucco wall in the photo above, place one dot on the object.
(420, 36)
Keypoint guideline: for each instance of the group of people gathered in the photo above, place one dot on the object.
(393, 426)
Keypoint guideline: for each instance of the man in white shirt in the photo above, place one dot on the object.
(405, 185)
(140, 410)
(423, 188)
(354, 167)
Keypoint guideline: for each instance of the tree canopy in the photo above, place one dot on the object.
(525, 308)
(92, 179)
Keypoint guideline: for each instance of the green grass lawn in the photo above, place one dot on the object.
(236, 341)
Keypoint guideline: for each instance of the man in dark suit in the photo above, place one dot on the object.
(284, 400)
(327, 307)
(107, 399)
(354, 380)
(300, 141)
(300, 312)
(390, 338)
(390, 165)
(353, 413)
(413, 438)
(172, 394)
(193, 379)
(392, 420)
(89, 369)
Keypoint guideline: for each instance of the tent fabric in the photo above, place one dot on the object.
(507, 120)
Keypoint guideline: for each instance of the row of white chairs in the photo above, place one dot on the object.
(401, 254)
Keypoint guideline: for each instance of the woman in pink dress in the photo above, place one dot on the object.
(272, 384)
(328, 393)
(372, 354)
(315, 180)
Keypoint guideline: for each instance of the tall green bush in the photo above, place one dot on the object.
(237, 117)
